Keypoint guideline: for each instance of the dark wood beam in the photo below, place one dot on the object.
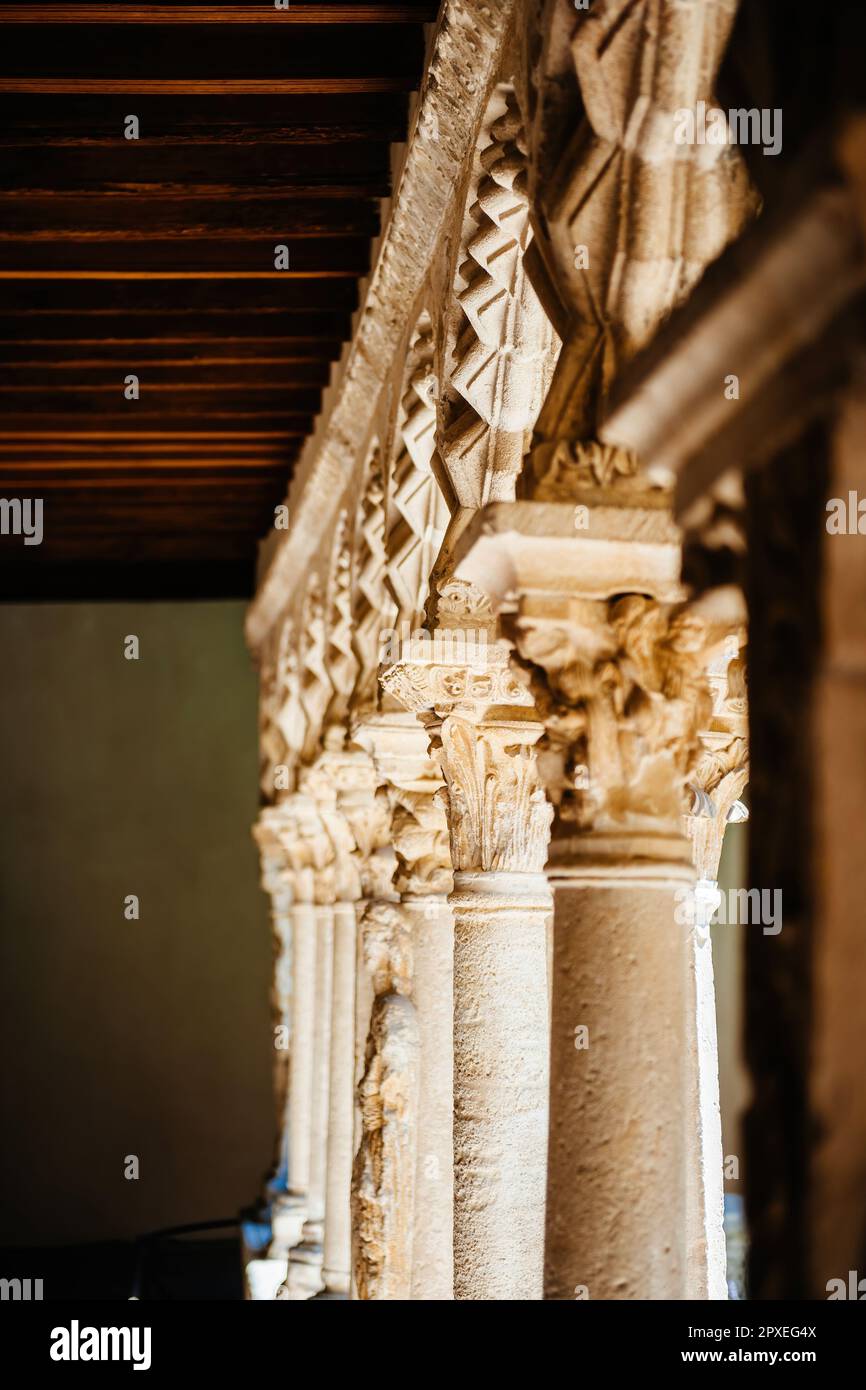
(313, 354)
(263, 398)
(261, 373)
(223, 120)
(196, 329)
(231, 427)
(219, 14)
(96, 217)
(222, 57)
(127, 166)
(97, 469)
(125, 297)
(203, 258)
(231, 86)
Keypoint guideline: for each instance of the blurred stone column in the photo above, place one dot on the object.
(716, 784)
(304, 1277)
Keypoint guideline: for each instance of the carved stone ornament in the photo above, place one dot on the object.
(499, 817)
(719, 777)
(623, 694)
(630, 211)
(420, 835)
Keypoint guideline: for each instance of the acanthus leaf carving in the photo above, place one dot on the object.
(622, 690)
(499, 817)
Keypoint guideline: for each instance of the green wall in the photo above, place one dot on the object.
(148, 1037)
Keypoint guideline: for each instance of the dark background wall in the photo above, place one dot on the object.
(148, 1037)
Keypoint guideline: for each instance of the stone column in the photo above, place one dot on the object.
(277, 883)
(423, 880)
(383, 1177)
(482, 728)
(358, 821)
(620, 686)
(337, 1244)
(716, 784)
(292, 1210)
(304, 1277)
(265, 1266)
(623, 698)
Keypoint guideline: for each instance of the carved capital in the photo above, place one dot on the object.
(420, 831)
(568, 470)
(270, 833)
(482, 726)
(722, 769)
(499, 817)
(416, 825)
(342, 783)
(434, 682)
(622, 690)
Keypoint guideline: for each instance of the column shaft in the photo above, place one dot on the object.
(293, 1208)
(305, 1260)
(616, 1199)
(337, 1238)
(432, 930)
(500, 1083)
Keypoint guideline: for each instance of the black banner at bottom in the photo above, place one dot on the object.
(161, 1339)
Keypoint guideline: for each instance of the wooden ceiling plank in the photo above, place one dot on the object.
(124, 297)
(200, 331)
(238, 86)
(102, 218)
(219, 14)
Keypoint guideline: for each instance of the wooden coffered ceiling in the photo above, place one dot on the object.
(154, 257)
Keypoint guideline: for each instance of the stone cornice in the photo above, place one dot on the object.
(466, 48)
